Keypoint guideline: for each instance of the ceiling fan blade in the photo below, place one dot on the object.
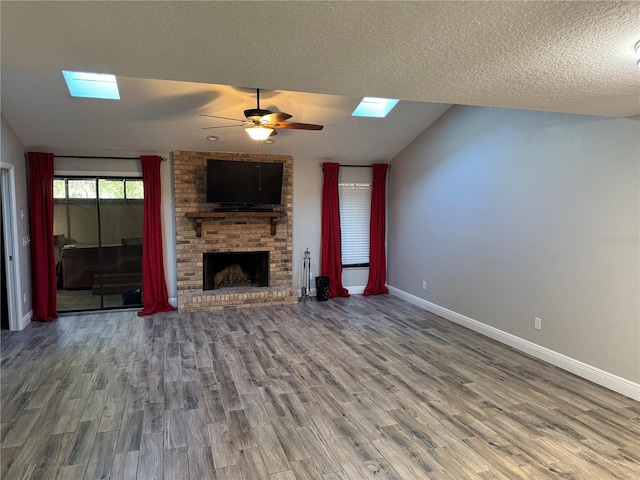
(273, 132)
(297, 126)
(224, 118)
(275, 117)
(222, 126)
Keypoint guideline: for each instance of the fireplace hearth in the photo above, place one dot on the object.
(235, 269)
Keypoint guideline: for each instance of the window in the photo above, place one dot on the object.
(118, 188)
(355, 214)
(133, 189)
(97, 225)
(111, 188)
(59, 188)
(81, 188)
(374, 107)
(92, 85)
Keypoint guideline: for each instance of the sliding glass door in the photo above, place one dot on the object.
(98, 242)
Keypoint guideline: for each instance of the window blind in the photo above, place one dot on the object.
(355, 215)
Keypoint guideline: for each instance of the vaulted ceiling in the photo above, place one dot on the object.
(314, 60)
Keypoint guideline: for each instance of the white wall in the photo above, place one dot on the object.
(510, 215)
(307, 218)
(12, 153)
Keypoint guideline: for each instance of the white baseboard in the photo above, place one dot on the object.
(605, 379)
(26, 320)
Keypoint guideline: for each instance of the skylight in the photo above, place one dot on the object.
(92, 85)
(374, 107)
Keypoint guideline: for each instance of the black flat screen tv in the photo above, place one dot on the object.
(244, 184)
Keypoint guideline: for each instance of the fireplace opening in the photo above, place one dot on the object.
(235, 269)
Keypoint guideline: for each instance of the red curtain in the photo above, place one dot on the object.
(154, 288)
(377, 230)
(331, 241)
(43, 266)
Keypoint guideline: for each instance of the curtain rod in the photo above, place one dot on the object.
(100, 158)
(353, 166)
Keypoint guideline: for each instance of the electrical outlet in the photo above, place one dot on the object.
(24, 298)
(424, 284)
(537, 323)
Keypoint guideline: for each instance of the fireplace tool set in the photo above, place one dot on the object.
(306, 277)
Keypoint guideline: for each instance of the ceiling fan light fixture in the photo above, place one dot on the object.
(258, 132)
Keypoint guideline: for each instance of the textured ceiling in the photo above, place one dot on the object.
(573, 57)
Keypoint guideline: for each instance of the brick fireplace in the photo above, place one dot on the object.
(232, 260)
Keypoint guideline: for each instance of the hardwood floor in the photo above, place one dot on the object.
(349, 389)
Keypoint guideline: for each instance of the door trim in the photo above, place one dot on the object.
(11, 244)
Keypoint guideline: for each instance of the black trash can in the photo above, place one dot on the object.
(132, 297)
(322, 289)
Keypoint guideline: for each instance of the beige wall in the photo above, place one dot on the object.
(510, 215)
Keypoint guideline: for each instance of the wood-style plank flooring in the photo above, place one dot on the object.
(349, 389)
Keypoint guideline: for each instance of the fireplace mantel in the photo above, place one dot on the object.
(200, 216)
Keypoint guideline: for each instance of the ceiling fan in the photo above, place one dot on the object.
(260, 124)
